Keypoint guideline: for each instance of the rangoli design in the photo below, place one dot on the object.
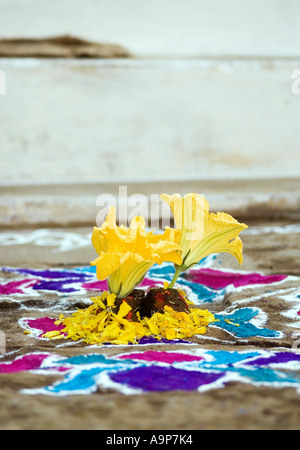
(149, 356)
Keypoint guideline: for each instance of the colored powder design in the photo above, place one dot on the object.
(93, 358)
(44, 325)
(95, 286)
(54, 285)
(165, 272)
(205, 284)
(164, 378)
(83, 376)
(221, 358)
(166, 357)
(15, 287)
(54, 280)
(203, 293)
(50, 274)
(162, 371)
(217, 279)
(27, 362)
(86, 269)
(239, 324)
(82, 382)
(216, 370)
(146, 340)
(278, 358)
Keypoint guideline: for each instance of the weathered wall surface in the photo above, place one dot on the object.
(164, 28)
(208, 96)
(148, 120)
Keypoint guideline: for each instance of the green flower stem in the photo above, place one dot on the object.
(176, 275)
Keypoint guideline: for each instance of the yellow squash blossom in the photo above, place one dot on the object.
(126, 254)
(203, 233)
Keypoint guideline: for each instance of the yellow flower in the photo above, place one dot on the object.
(126, 254)
(203, 233)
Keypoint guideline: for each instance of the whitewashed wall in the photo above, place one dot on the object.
(208, 96)
(148, 120)
(164, 27)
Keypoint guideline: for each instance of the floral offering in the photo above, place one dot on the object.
(125, 314)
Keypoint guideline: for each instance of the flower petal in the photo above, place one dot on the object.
(202, 232)
(126, 254)
(221, 233)
(107, 263)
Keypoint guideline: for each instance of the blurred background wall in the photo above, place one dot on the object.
(202, 102)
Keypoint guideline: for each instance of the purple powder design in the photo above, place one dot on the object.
(216, 279)
(152, 340)
(52, 274)
(278, 358)
(164, 378)
(56, 285)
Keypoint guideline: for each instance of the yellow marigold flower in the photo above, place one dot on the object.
(126, 254)
(203, 233)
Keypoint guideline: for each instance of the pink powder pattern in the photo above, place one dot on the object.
(164, 357)
(44, 324)
(95, 286)
(16, 287)
(216, 279)
(27, 362)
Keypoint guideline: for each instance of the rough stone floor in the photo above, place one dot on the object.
(244, 373)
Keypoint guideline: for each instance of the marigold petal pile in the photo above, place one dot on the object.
(98, 324)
